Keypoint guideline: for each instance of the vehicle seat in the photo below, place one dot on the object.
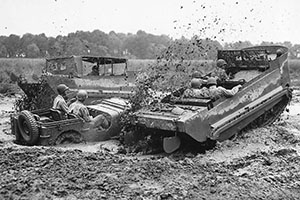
(56, 115)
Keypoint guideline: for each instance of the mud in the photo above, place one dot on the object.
(258, 164)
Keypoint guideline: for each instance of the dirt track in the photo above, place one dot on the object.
(260, 164)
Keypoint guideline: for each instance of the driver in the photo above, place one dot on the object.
(79, 109)
(95, 71)
(59, 102)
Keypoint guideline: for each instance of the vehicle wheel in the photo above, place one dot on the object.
(28, 127)
(69, 137)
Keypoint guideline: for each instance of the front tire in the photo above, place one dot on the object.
(28, 127)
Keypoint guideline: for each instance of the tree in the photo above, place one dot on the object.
(57, 46)
(3, 51)
(32, 51)
(42, 42)
(115, 44)
(237, 45)
(13, 45)
(26, 40)
(75, 46)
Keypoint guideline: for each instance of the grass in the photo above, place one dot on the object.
(12, 68)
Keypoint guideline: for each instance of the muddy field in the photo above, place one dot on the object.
(259, 164)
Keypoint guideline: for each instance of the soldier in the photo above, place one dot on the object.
(218, 92)
(95, 71)
(59, 102)
(219, 72)
(196, 74)
(79, 109)
(279, 52)
(196, 91)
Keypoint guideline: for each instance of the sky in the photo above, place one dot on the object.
(222, 20)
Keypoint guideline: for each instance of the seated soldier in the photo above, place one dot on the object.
(95, 71)
(217, 92)
(279, 52)
(59, 102)
(219, 72)
(79, 109)
(196, 74)
(195, 90)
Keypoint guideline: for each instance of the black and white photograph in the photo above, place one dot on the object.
(149, 100)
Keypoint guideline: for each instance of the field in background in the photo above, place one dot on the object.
(31, 69)
(12, 68)
(295, 72)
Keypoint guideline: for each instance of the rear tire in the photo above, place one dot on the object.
(28, 127)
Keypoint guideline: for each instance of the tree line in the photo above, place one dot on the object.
(141, 45)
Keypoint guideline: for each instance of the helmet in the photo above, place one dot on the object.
(221, 63)
(196, 74)
(61, 88)
(82, 95)
(196, 83)
(211, 81)
(279, 52)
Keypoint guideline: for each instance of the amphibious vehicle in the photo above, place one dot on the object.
(265, 93)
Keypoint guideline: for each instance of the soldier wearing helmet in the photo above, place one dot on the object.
(78, 108)
(59, 102)
(95, 71)
(196, 83)
(218, 92)
(219, 72)
(279, 52)
(196, 74)
(196, 90)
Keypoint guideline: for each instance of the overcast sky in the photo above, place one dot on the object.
(223, 20)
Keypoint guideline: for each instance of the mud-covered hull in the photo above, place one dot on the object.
(267, 86)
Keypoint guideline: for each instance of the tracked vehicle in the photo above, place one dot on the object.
(263, 97)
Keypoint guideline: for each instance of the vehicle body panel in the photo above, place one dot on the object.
(265, 88)
(50, 130)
